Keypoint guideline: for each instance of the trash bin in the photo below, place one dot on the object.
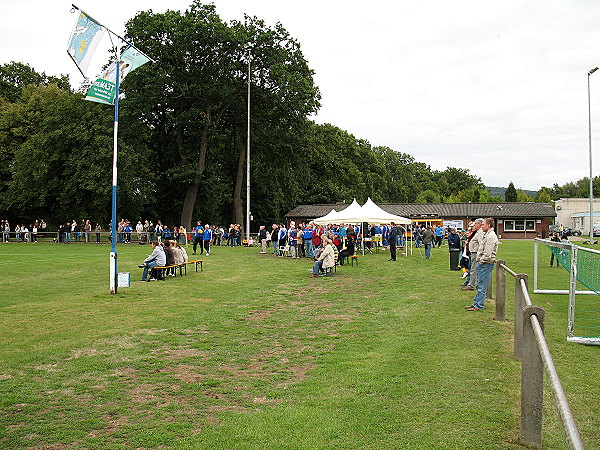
(454, 259)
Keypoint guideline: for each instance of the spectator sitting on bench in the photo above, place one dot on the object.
(156, 259)
(326, 259)
(170, 256)
(181, 255)
(348, 250)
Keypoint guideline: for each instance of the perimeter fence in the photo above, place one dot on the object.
(531, 348)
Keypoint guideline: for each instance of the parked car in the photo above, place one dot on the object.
(596, 230)
(571, 232)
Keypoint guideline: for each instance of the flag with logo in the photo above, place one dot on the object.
(104, 88)
(85, 37)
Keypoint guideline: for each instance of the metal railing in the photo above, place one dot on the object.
(531, 348)
(81, 237)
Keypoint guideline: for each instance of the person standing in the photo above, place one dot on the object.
(275, 239)
(392, 238)
(472, 246)
(262, 237)
(486, 258)
(98, 230)
(207, 238)
(198, 236)
(439, 236)
(307, 238)
(139, 229)
(453, 240)
(293, 241)
(428, 241)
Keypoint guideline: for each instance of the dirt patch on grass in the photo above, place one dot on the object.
(112, 424)
(175, 353)
(125, 372)
(83, 352)
(47, 367)
(187, 374)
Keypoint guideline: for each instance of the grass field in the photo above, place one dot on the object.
(252, 353)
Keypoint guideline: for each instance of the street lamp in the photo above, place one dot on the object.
(590, 150)
(248, 156)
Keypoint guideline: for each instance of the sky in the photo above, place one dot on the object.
(498, 88)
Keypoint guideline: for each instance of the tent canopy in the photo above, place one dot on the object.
(330, 217)
(369, 212)
(374, 214)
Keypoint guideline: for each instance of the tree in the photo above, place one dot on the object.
(543, 195)
(453, 180)
(60, 152)
(200, 76)
(15, 76)
(511, 193)
(523, 197)
(428, 196)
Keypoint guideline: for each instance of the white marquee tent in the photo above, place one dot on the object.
(368, 213)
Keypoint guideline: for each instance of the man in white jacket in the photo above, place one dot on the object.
(486, 258)
(326, 259)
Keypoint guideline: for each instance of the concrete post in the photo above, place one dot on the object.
(532, 381)
(519, 305)
(500, 292)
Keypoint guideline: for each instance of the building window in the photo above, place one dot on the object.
(519, 225)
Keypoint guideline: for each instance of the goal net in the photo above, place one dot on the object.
(581, 270)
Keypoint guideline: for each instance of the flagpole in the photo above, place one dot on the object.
(113, 254)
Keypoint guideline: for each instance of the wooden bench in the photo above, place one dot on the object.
(194, 261)
(160, 270)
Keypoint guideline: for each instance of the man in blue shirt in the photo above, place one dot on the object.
(207, 238)
(439, 236)
(198, 236)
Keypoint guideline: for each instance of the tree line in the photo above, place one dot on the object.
(182, 135)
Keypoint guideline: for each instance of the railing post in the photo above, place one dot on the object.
(519, 305)
(500, 292)
(532, 381)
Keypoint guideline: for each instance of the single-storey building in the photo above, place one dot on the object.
(513, 220)
(575, 213)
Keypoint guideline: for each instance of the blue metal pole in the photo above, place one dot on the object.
(113, 256)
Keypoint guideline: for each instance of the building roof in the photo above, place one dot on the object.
(471, 210)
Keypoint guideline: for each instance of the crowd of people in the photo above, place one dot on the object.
(21, 233)
(326, 245)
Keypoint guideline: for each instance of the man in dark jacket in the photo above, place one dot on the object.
(392, 237)
(428, 241)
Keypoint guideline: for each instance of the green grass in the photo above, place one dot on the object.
(252, 353)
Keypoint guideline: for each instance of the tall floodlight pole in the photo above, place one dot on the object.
(248, 159)
(590, 150)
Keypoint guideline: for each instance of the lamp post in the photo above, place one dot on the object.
(248, 158)
(590, 150)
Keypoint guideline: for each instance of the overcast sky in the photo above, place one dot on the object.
(499, 88)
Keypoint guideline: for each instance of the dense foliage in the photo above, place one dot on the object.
(182, 135)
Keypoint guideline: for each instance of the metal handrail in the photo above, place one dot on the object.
(525, 292)
(573, 437)
(507, 269)
(562, 404)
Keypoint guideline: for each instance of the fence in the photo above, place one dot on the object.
(84, 237)
(531, 349)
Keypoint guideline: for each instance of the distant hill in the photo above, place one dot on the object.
(499, 191)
